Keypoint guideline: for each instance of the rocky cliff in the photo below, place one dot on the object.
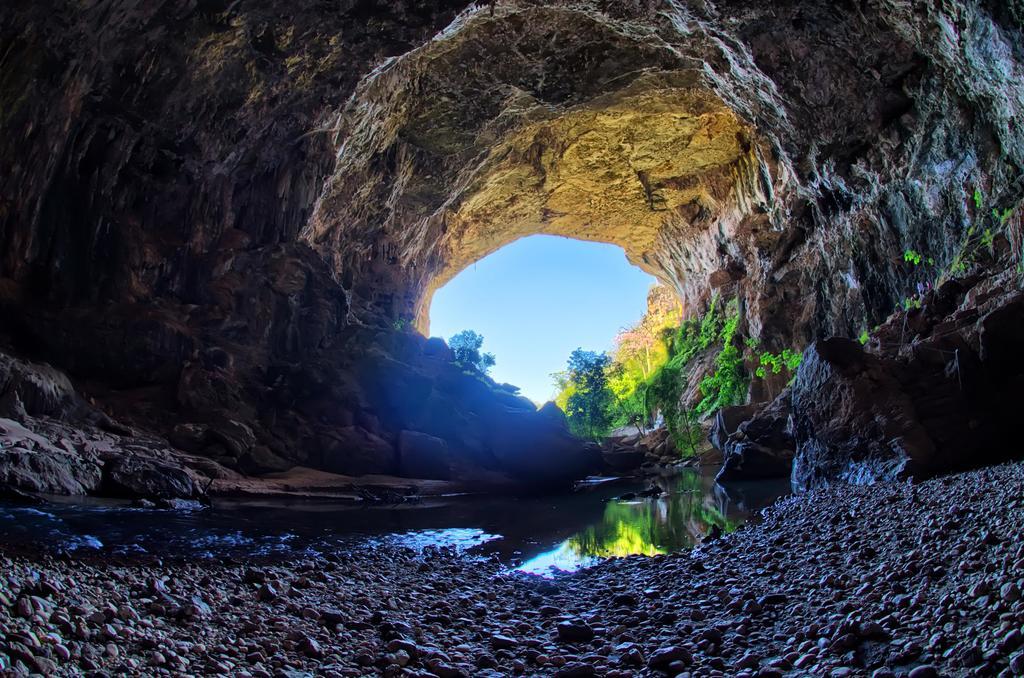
(221, 219)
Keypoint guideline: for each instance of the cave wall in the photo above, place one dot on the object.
(219, 211)
(865, 129)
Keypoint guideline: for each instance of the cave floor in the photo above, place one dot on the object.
(895, 579)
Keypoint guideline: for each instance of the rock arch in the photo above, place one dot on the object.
(623, 133)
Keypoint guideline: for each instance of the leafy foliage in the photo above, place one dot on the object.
(587, 408)
(776, 362)
(467, 347)
(916, 258)
(647, 373)
(728, 385)
(639, 352)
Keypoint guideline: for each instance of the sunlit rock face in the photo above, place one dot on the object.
(218, 218)
(787, 155)
(535, 119)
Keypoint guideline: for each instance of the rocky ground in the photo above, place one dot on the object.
(894, 579)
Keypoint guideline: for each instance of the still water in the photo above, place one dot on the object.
(537, 534)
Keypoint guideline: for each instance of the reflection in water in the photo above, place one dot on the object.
(552, 532)
(673, 522)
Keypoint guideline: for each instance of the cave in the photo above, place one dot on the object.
(222, 226)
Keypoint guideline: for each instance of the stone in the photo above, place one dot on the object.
(576, 670)
(500, 642)
(623, 461)
(883, 415)
(138, 477)
(761, 446)
(267, 593)
(853, 419)
(726, 422)
(664, 656)
(575, 631)
(261, 459)
(310, 647)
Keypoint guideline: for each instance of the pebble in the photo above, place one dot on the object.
(575, 631)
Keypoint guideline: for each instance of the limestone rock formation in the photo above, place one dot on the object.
(53, 442)
(934, 391)
(221, 219)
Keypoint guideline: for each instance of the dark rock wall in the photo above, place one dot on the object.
(897, 112)
(163, 221)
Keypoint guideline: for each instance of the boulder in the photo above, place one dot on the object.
(236, 437)
(141, 478)
(537, 449)
(936, 391)
(853, 420)
(727, 421)
(746, 460)
(47, 471)
(553, 412)
(423, 456)
(760, 447)
(189, 437)
(34, 389)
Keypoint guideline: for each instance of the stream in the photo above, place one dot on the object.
(537, 534)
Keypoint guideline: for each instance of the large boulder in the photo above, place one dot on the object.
(853, 419)
(261, 460)
(937, 391)
(727, 421)
(760, 447)
(34, 389)
(142, 478)
(624, 459)
(47, 471)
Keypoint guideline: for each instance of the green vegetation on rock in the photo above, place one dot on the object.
(648, 373)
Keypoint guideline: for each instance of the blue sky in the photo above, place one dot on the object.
(538, 299)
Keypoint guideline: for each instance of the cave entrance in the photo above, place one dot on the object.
(536, 300)
(613, 136)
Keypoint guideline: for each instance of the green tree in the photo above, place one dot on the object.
(588, 407)
(467, 348)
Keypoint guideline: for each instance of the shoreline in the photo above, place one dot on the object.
(893, 579)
